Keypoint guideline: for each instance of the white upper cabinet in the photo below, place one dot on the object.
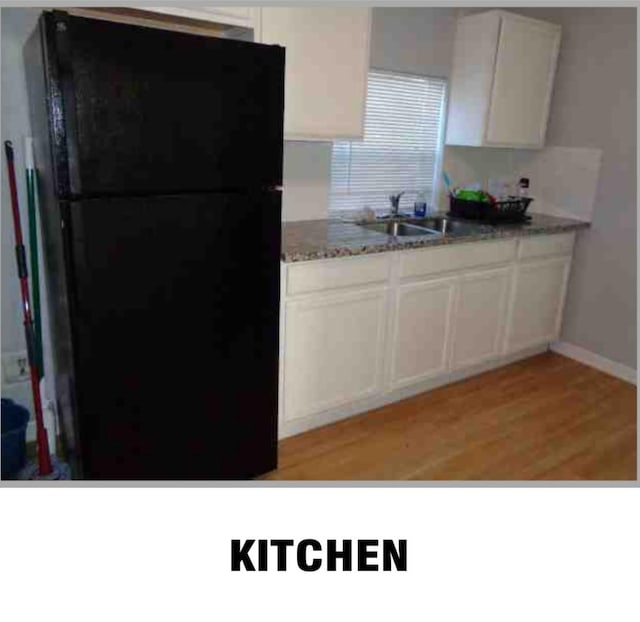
(327, 61)
(231, 15)
(503, 70)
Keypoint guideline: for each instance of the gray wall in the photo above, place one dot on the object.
(413, 40)
(594, 105)
(17, 25)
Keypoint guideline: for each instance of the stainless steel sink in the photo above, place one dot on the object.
(444, 225)
(398, 229)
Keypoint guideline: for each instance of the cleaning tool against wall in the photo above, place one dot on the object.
(32, 198)
(447, 182)
(33, 251)
(44, 458)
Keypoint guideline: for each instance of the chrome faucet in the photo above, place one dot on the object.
(395, 204)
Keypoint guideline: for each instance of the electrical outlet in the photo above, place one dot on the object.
(15, 367)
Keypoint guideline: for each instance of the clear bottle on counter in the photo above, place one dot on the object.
(523, 187)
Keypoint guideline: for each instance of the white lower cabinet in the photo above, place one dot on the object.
(358, 332)
(421, 329)
(537, 302)
(334, 350)
(479, 317)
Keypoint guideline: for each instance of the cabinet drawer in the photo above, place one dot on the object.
(456, 257)
(334, 273)
(557, 244)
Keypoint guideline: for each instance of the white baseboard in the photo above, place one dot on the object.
(592, 359)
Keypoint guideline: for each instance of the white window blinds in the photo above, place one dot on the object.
(401, 147)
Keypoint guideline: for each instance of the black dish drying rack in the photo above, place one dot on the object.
(511, 210)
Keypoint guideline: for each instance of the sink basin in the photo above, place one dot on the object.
(444, 225)
(399, 229)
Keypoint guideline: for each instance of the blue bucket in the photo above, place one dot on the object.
(14, 428)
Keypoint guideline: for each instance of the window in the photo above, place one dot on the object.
(402, 144)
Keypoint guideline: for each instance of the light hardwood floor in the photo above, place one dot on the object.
(545, 418)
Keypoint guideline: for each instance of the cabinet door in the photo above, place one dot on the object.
(231, 15)
(474, 57)
(480, 311)
(421, 331)
(537, 302)
(327, 61)
(523, 81)
(333, 351)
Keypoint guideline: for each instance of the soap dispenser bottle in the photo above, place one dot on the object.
(420, 206)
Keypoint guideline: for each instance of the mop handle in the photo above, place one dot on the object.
(8, 148)
(33, 252)
(44, 457)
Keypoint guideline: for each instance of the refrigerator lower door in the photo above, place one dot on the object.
(175, 306)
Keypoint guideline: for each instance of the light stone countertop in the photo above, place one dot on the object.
(322, 239)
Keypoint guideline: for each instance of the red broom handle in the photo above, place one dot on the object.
(44, 456)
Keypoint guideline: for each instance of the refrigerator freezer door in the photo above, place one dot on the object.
(149, 111)
(175, 304)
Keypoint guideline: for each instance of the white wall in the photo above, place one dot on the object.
(306, 179)
(564, 180)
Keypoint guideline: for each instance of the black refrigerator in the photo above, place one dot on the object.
(159, 158)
